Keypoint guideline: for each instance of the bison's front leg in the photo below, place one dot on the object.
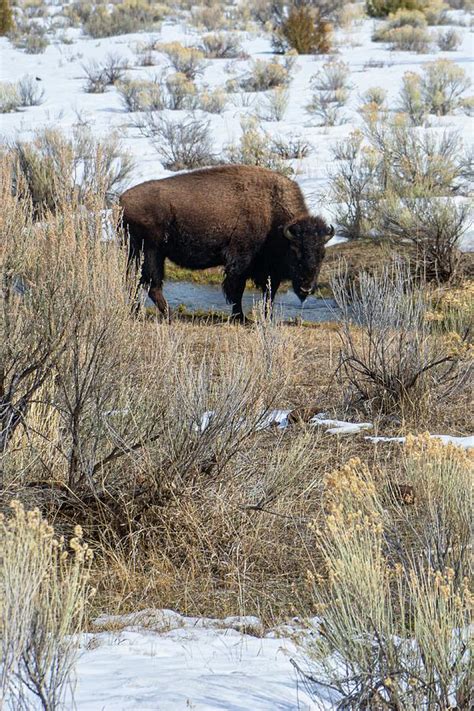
(233, 286)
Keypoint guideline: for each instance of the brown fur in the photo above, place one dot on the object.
(234, 216)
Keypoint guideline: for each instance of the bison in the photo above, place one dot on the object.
(252, 221)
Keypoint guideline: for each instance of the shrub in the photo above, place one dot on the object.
(114, 67)
(382, 8)
(411, 99)
(44, 591)
(53, 165)
(264, 76)
(6, 17)
(123, 18)
(29, 92)
(275, 105)
(449, 40)
(31, 37)
(9, 97)
(211, 18)
(96, 80)
(443, 85)
(182, 92)
(393, 363)
(214, 102)
(255, 148)
(408, 39)
(185, 60)
(305, 31)
(221, 45)
(373, 98)
(355, 186)
(330, 92)
(290, 149)
(431, 227)
(391, 635)
(141, 95)
(417, 164)
(181, 145)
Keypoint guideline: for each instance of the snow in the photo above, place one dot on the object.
(464, 442)
(60, 69)
(177, 662)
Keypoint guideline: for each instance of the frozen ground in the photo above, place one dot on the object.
(190, 663)
(66, 103)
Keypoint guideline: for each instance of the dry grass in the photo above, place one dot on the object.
(101, 414)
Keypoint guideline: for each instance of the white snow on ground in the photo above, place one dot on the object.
(177, 663)
(66, 103)
(464, 442)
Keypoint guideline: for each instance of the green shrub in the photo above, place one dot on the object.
(264, 75)
(6, 17)
(443, 85)
(255, 148)
(9, 97)
(213, 102)
(305, 31)
(383, 8)
(221, 45)
(128, 16)
(185, 60)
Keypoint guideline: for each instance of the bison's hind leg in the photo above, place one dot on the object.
(152, 276)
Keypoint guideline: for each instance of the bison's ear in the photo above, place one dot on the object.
(330, 234)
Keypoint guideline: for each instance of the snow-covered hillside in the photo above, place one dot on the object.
(66, 104)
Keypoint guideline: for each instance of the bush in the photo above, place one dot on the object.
(29, 92)
(6, 17)
(290, 149)
(383, 8)
(181, 145)
(392, 634)
(449, 40)
(255, 148)
(44, 591)
(417, 164)
(214, 102)
(373, 98)
(305, 31)
(355, 186)
(53, 165)
(211, 18)
(182, 92)
(408, 39)
(264, 76)
(330, 92)
(443, 85)
(393, 363)
(221, 45)
(9, 97)
(275, 105)
(31, 37)
(120, 19)
(141, 95)
(412, 103)
(185, 60)
(430, 228)
(106, 73)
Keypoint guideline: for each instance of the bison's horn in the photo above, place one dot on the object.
(331, 233)
(288, 234)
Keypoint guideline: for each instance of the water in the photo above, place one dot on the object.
(209, 297)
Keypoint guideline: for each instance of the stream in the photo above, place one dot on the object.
(209, 297)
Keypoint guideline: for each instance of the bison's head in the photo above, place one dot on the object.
(307, 237)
